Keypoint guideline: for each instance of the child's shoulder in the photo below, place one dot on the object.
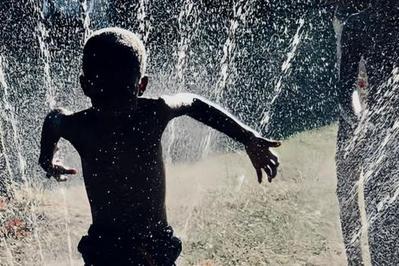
(175, 100)
(151, 104)
(59, 116)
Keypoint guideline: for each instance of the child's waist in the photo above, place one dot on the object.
(129, 233)
(130, 218)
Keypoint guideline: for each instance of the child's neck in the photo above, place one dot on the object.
(114, 107)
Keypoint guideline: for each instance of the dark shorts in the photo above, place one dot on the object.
(102, 246)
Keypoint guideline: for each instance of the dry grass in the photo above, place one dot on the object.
(216, 206)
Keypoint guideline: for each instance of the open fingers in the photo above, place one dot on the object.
(259, 174)
(270, 168)
(273, 172)
(267, 143)
(268, 172)
(270, 176)
(273, 159)
(274, 143)
(61, 170)
(70, 171)
(57, 170)
(60, 178)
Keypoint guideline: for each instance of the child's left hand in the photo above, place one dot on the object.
(261, 157)
(57, 171)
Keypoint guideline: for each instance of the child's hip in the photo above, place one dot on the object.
(105, 246)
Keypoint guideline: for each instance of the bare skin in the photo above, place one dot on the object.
(121, 154)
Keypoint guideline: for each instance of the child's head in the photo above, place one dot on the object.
(113, 66)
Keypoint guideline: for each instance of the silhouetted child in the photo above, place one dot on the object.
(119, 142)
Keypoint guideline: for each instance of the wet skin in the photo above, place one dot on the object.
(121, 155)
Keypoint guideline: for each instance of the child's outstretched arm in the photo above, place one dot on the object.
(51, 134)
(258, 148)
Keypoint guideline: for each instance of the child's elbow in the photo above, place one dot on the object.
(53, 123)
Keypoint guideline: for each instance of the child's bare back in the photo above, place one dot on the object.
(122, 163)
(119, 142)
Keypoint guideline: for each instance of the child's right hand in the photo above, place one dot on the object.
(57, 171)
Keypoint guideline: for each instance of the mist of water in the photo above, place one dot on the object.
(202, 54)
(228, 54)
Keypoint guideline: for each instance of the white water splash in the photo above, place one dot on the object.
(285, 68)
(8, 115)
(228, 72)
(87, 7)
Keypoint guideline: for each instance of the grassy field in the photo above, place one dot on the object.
(221, 213)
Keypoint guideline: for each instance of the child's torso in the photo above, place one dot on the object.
(122, 164)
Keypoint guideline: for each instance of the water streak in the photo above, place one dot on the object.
(42, 35)
(87, 7)
(13, 145)
(228, 71)
(185, 28)
(285, 70)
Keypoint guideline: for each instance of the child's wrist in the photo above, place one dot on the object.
(251, 136)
